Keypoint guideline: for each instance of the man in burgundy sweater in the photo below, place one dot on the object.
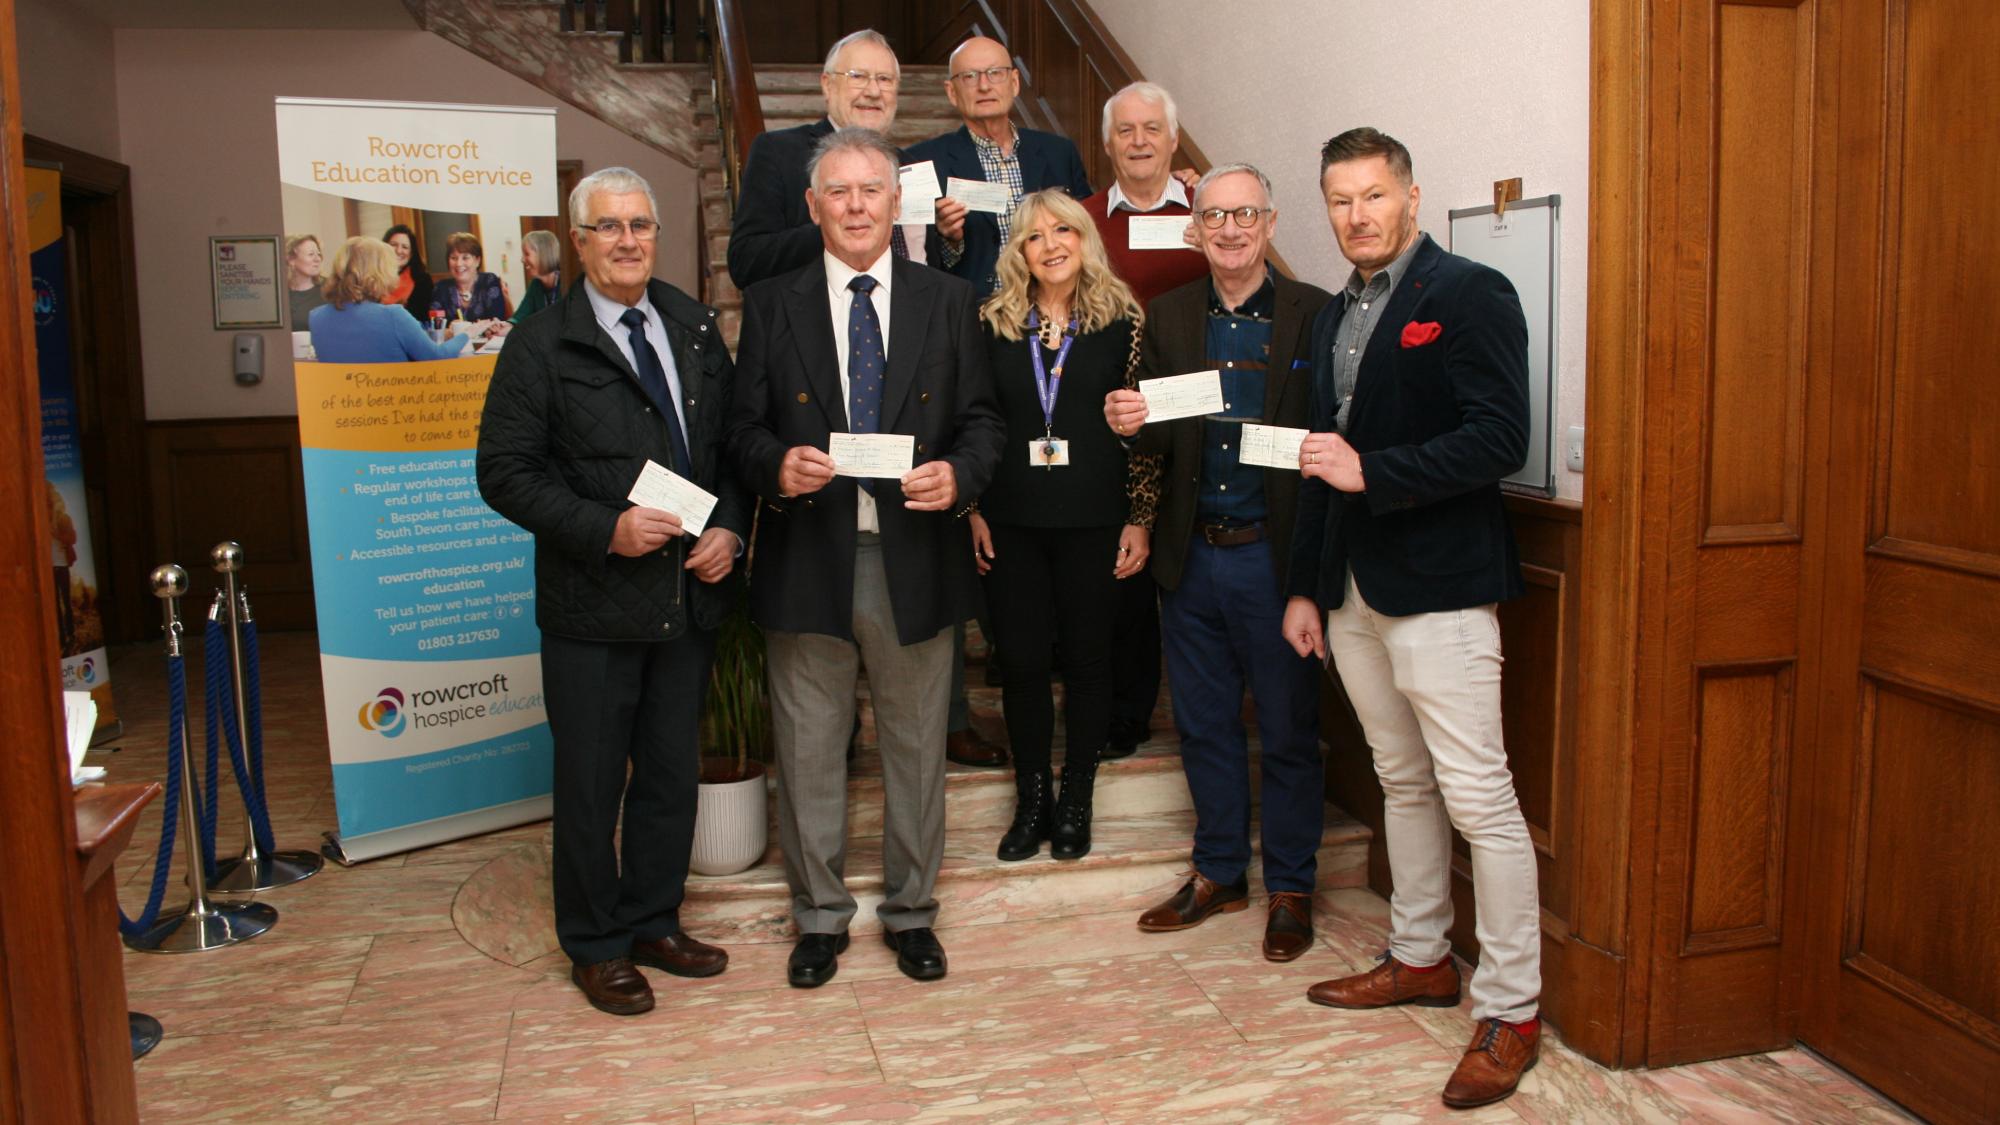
(1141, 135)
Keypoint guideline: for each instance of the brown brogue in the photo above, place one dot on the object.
(969, 748)
(1500, 1054)
(614, 986)
(1390, 982)
(1198, 898)
(1289, 931)
(681, 955)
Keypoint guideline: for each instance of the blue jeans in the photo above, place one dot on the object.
(1221, 629)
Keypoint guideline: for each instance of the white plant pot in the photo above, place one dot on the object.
(731, 826)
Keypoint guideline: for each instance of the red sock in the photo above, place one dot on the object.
(1421, 969)
(1527, 1027)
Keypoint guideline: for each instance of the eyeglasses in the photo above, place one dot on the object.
(993, 74)
(863, 78)
(645, 230)
(1246, 217)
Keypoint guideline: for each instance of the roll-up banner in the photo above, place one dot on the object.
(425, 596)
(72, 562)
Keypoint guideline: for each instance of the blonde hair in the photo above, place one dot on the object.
(364, 269)
(1101, 295)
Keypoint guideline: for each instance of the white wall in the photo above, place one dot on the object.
(195, 123)
(67, 63)
(1478, 90)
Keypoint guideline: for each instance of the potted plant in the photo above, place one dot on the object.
(732, 822)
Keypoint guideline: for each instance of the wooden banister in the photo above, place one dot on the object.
(739, 115)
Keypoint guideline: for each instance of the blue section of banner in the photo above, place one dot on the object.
(377, 796)
(410, 564)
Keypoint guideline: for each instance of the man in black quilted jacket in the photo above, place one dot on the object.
(620, 371)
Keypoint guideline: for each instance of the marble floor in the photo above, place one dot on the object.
(366, 1004)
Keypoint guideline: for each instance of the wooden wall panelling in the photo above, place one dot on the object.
(241, 479)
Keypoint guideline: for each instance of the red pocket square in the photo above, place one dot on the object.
(1416, 335)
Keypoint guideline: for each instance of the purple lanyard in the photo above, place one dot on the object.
(1048, 384)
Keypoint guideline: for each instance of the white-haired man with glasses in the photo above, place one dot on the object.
(1221, 550)
(624, 370)
(772, 232)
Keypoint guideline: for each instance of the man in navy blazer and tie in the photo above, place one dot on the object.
(982, 85)
(851, 572)
(1420, 409)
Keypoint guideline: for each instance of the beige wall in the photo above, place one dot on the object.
(1479, 92)
(69, 83)
(194, 121)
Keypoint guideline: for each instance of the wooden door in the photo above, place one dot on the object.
(1903, 966)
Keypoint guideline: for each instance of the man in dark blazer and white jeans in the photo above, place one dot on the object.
(1420, 409)
(875, 572)
(622, 370)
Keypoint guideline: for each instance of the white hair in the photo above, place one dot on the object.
(1222, 170)
(616, 181)
(865, 35)
(855, 138)
(1151, 93)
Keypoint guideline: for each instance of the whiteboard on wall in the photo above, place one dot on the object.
(1523, 245)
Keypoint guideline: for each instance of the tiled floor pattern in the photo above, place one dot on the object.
(365, 1005)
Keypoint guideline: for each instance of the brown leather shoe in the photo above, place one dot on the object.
(614, 986)
(1289, 931)
(969, 748)
(1390, 982)
(1198, 898)
(681, 955)
(1500, 1054)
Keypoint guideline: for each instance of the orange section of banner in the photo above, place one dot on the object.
(392, 407)
(44, 207)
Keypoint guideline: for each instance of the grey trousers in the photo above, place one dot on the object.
(812, 709)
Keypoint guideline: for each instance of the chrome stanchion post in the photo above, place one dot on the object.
(203, 925)
(255, 869)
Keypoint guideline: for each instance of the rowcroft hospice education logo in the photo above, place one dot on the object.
(434, 708)
(87, 671)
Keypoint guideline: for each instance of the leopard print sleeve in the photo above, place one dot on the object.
(1142, 473)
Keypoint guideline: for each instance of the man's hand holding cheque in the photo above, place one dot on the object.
(1329, 458)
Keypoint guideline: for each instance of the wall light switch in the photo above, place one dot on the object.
(1573, 449)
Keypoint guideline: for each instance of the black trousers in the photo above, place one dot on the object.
(1135, 652)
(1052, 588)
(610, 704)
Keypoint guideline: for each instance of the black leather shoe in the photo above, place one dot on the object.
(918, 953)
(814, 959)
(1124, 739)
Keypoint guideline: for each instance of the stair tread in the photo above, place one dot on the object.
(1116, 842)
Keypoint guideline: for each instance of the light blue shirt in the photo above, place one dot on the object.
(367, 332)
(608, 311)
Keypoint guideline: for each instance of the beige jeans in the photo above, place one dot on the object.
(1427, 691)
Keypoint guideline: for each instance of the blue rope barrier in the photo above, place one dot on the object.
(222, 696)
(170, 803)
(253, 707)
(214, 686)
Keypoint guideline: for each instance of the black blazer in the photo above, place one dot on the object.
(1177, 343)
(1047, 160)
(773, 232)
(1438, 425)
(565, 431)
(1090, 490)
(788, 394)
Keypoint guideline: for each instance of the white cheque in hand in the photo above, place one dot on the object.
(1158, 232)
(661, 488)
(1274, 447)
(978, 195)
(871, 455)
(920, 192)
(1182, 396)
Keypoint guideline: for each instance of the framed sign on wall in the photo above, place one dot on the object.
(243, 276)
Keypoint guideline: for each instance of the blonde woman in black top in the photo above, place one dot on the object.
(1066, 516)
